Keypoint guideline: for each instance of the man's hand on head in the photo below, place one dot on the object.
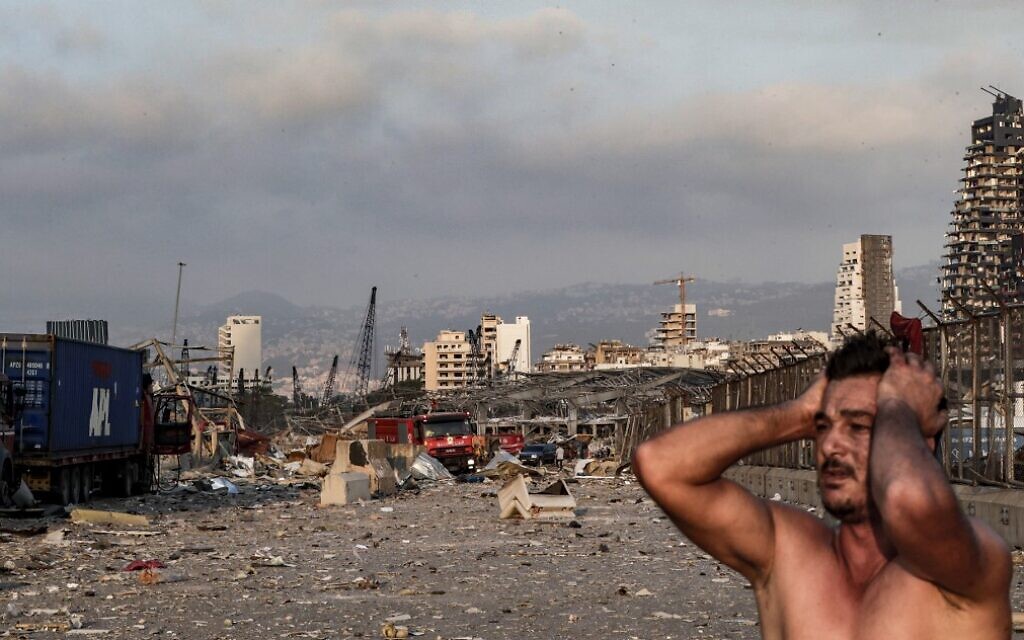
(910, 380)
(808, 404)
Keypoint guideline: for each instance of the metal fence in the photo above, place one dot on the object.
(754, 387)
(980, 359)
(769, 387)
(981, 362)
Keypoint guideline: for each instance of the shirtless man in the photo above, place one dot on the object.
(904, 561)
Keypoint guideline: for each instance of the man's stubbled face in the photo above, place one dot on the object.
(843, 443)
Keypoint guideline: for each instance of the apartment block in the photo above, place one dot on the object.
(242, 337)
(564, 358)
(676, 329)
(449, 362)
(865, 287)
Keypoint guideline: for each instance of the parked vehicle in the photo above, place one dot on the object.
(10, 408)
(510, 442)
(538, 454)
(448, 436)
(85, 418)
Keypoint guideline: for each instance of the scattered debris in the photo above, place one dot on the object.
(553, 502)
(139, 565)
(590, 468)
(23, 498)
(224, 483)
(505, 465)
(426, 467)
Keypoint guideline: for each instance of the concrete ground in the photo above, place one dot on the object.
(268, 563)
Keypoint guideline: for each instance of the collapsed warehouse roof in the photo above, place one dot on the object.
(609, 403)
(586, 388)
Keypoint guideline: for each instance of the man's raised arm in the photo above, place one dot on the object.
(682, 470)
(918, 509)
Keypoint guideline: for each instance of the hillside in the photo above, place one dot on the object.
(308, 337)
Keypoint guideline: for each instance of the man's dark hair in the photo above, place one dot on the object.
(860, 354)
(865, 353)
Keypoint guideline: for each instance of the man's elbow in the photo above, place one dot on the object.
(912, 502)
(647, 465)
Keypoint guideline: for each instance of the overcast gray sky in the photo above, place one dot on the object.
(313, 148)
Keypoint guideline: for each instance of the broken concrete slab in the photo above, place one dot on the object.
(402, 456)
(508, 467)
(369, 457)
(312, 468)
(375, 449)
(595, 468)
(93, 516)
(551, 503)
(382, 478)
(324, 452)
(345, 488)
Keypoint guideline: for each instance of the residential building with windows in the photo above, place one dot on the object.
(241, 337)
(865, 287)
(449, 362)
(676, 329)
(563, 358)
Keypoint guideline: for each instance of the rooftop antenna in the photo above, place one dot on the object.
(994, 95)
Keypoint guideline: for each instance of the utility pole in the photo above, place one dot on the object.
(177, 300)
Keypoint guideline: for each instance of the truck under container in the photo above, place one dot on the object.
(82, 405)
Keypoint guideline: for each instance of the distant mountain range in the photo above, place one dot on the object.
(308, 337)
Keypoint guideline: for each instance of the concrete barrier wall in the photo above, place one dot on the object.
(1001, 509)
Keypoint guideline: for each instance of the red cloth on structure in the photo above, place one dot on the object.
(908, 332)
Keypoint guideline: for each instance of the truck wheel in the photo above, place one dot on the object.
(86, 483)
(76, 484)
(63, 492)
(7, 487)
(125, 481)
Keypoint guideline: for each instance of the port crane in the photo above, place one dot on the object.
(362, 357)
(328, 390)
(510, 369)
(296, 388)
(680, 281)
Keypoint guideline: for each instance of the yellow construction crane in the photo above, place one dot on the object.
(680, 281)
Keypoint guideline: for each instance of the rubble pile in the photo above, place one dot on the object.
(229, 555)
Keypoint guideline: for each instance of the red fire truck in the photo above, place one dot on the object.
(448, 436)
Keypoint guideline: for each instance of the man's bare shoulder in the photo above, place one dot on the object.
(800, 537)
(795, 521)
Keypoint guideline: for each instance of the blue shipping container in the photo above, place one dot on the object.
(81, 398)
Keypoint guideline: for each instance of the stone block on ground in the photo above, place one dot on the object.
(345, 488)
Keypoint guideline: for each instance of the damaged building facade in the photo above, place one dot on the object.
(985, 242)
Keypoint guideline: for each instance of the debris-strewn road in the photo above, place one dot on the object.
(268, 563)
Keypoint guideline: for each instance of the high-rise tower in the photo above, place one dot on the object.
(986, 238)
(865, 287)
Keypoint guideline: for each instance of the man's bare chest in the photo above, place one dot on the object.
(819, 600)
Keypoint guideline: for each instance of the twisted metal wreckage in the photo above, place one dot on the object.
(216, 426)
(624, 407)
(620, 407)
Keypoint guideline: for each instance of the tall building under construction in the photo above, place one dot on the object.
(865, 287)
(985, 242)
